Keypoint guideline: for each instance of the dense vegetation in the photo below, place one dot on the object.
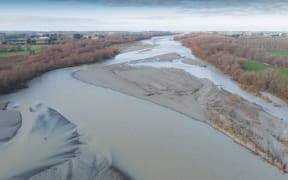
(257, 63)
(15, 71)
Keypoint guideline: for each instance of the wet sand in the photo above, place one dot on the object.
(3, 105)
(245, 122)
(10, 123)
(112, 174)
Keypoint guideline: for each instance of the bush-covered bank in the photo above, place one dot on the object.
(247, 60)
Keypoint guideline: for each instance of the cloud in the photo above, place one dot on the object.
(216, 3)
(247, 6)
(244, 6)
(139, 19)
(145, 15)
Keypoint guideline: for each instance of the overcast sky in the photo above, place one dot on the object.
(137, 15)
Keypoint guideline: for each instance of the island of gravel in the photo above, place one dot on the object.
(246, 123)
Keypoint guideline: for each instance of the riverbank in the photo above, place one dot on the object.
(247, 60)
(245, 122)
(16, 71)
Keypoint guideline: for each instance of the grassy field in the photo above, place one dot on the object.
(250, 65)
(35, 48)
(284, 72)
(255, 66)
(15, 53)
(278, 52)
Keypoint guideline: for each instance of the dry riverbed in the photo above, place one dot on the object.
(132, 46)
(245, 122)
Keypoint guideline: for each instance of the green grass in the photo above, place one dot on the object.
(260, 67)
(14, 53)
(35, 48)
(255, 66)
(284, 72)
(278, 52)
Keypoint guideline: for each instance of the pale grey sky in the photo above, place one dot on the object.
(137, 15)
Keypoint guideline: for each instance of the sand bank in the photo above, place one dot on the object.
(3, 105)
(132, 46)
(10, 122)
(200, 99)
(112, 174)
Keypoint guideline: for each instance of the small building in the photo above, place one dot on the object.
(18, 41)
(276, 35)
(41, 40)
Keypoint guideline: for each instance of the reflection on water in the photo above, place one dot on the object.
(145, 140)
